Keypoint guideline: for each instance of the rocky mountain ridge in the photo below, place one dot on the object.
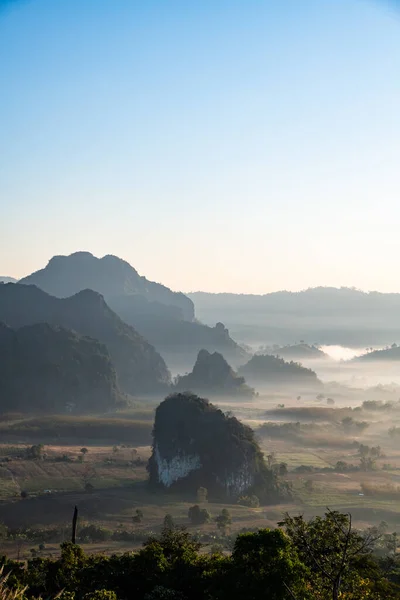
(140, 369)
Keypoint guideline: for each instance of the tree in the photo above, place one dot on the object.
(168, 522)
(138, 516)
(198, 516)
(265, 565)
(251, 501)
(35, 452)
(223, 521)
(337, 555)
(84, 451)
(271, 459)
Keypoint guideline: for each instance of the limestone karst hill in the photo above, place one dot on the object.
(163, 317)
(212, 374)
(196, 444)
(50, 369)
(140, 369)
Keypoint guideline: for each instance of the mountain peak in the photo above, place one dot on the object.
(110, 276)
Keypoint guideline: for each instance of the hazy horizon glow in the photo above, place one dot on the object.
(218, 146)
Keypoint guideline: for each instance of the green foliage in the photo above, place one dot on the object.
(322, 559)
(35, 452)
(250, 501)
(338, 557)
(50, 369)
(186, 424)
(198, 516)
(101, 595)
(224, 521)
(93, 533)
(168, 522)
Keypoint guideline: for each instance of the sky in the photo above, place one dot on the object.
(218, 145)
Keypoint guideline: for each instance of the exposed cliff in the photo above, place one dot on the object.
(140, 369)
(263, 368)
(196, 444)
(110, 276)
(50, 369)
(212, 375)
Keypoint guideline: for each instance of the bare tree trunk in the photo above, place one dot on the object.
(74, 523)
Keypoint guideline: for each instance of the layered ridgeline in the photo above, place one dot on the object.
(50, 369)
(140, 369)
(300, 351)
(385, 354)
(264, 368)
(7, 279)
(165, 318)
(329, 316)
(195, 444)
(212, 375)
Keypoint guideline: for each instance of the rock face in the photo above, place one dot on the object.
(50, 369)
(110, 276)
(195, 444)
(270, 369)
(140, 369)
(212, 375)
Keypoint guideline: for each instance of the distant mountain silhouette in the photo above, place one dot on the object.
(323, 315)
(110, 276)
(270, 369)
(298, 352)
(212, 374)
(45, 368)
(7, 279)
(386, 354)
(163, 317)
(139, 367)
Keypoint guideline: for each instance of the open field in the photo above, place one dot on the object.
(114, 466)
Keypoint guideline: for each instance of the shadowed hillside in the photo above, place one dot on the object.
(45, 368)
(212, 374)
(139, 367)
(164, 318)
(271, 369)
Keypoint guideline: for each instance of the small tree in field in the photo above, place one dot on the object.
(224, 521)
(169, 522)
(84, 451)
(198, 516)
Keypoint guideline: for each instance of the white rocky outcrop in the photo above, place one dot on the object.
(178, 467)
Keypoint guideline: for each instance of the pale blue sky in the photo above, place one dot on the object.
(221, 145)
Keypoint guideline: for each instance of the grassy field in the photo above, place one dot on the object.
(115, 467)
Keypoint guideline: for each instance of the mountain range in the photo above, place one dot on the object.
(139, 367)
(321, 316)
(163, 317)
